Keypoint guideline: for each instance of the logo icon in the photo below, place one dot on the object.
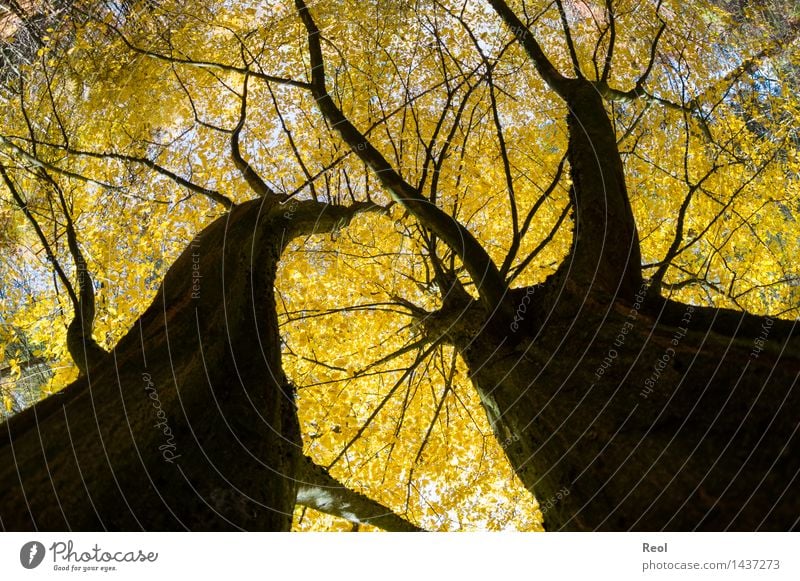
(31, 554)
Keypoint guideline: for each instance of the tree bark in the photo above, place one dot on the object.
(320, 491)
(605, 256)
(620, 409)
(190, 422)
(641, 415)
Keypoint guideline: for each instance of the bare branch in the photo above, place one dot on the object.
(406, 374)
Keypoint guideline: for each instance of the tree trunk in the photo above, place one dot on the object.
(641, 415)
(619, 409)
(190, 422)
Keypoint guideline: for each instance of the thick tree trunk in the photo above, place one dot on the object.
(621, 410)
(190, 423)
(636, 416)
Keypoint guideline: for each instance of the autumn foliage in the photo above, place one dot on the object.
(128, 128)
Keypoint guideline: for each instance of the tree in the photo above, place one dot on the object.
(559, 235)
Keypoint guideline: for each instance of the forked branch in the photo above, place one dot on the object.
(489, 282)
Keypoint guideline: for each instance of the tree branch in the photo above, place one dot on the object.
(23, 206)
(612, 37)
(84, 349)
(36, 162)
(490, 284)
(200, 64)
(554, 79)
(258, 185)
(573, 54)
(321, 491)
(672, 251)
(211, 194)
